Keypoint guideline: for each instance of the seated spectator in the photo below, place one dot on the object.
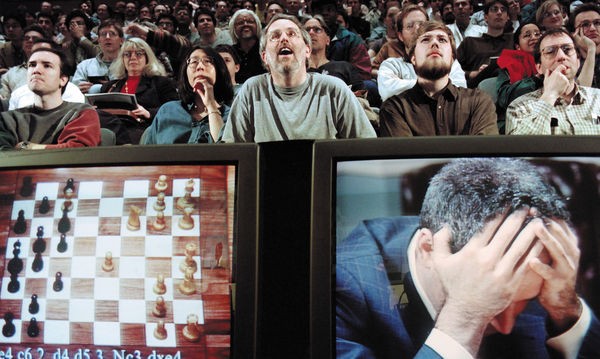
(232, 61)
(46, 21)
(434, 106)
(50, 122)
(16, 76)
(585, 21)
(475, 53)
(205, 90)
(462, 26)
(561, 106)
(550, 15)
(80, 46)
(356, 21)
(137, 72)
(223, 14)
(397, 74)
(288, 103)
(209, 34)
(318, 61)
(245, 31)
(92, 73)
(273, 8)
(392, 45)
(11, 52)
(383, 34)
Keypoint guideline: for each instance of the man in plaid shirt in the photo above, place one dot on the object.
(561, 106)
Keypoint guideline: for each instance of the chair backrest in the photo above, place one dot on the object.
(108, 137)
(489, 87)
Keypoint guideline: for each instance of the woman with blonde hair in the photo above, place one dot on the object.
(137, 71)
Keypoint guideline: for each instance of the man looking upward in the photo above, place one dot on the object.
(50, 122)
(288, 103)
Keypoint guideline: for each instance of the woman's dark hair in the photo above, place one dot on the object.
(222, 87)
(518, 31)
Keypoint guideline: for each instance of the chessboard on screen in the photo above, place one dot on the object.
(119, 257)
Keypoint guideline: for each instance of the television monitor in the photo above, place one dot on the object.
(128, 252)
(368, 179)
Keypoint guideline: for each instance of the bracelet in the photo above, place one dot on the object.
(215, 111)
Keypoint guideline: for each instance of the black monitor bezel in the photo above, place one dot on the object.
(327, 154)
(245, 232)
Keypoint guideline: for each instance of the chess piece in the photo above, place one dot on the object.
(15, 265)
(70, 185)
(27, 188)
(189, 262)
(62, 244)
(8, 330)
(161, 185)
(186, 222)
(44, 206)
(68, 202)
(20, 225)
(37, 264)
(192, 331)
(108, 265)
(57, 286)
(159, 286)
(159, 222)
(39, 245)
(14, 285)
(64, 224)
(160, 307)
(133, 222)
(160, 205)
(33, 330)
(218, 254)
(186, 200)
(34, 306)
(160, 332)
(188, 286)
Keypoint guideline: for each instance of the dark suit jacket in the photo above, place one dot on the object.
(151, 92)
(371, 324)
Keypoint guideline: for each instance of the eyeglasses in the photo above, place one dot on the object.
(107, 34)
(530, 34)
(495, 9)
(551, 51)
(193, 62)
(243, 22)
(315, 29)
(275, 35)
(414, 25)
(586, 25)
(552, 13)
(138, 53)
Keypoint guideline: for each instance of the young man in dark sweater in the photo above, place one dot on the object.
(50, 122)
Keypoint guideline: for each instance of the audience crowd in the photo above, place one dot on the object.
(210, 71)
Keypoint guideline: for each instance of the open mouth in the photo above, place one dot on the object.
(285, 51)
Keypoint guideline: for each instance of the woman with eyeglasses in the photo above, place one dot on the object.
(550, 15)
(206, 92)
(137, 71)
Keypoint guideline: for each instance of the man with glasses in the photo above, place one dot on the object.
(245, 31)
(561, 106)
(586, 23)
(475, 53)
(92, 73)
(289, 103)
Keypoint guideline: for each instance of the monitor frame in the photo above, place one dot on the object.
(323, 222)
(245, 231)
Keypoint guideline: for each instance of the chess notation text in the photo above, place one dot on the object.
(39, 353)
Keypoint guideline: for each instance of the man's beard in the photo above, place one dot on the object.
(433, 70)
(283, 68)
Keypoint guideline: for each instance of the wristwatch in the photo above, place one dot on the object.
(24, 145)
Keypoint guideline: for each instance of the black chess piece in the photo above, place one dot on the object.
(39, 245)
(64, 224)
(33, 330)
(70, 185)
(58, 283)
(34, 306)
(8, 330)
(14, 285)
(37, 264)
(62, 244)
(20, 225)
(27, 188)
(44, 206)
(15, 265)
